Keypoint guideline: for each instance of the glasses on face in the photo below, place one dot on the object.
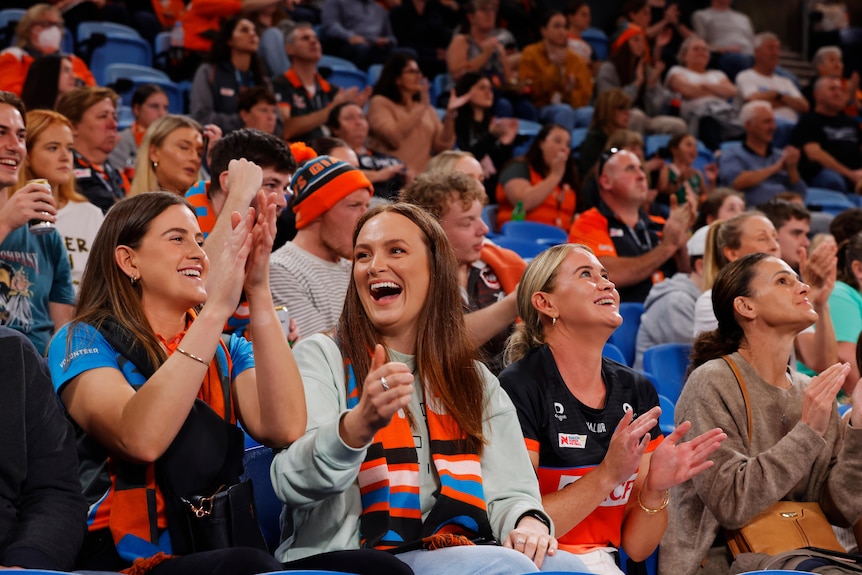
(607, 155)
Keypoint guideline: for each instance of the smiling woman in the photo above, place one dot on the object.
(170, 155)
(429, 450)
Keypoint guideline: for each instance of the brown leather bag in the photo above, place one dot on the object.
(785, 525)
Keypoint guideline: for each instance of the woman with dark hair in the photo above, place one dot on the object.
(401, 119)
(234, 65)
(590, 424)
(541, 183)
(411, 445)
(149, 103)
(628, 69)
(136, 357)
(48, 78)
(477, 131)
(720, 204)
(786, 441)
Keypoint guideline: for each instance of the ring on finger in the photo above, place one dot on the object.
(520, 542)
(384, 383)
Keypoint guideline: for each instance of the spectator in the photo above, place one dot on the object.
(358, 31)
(755, 167)
(490, 140)
(258, 109)
(829, 140)
(398, 294)
(628, 69)
(845, 303)
(728, 34)
(93, 113)
(48, 78)
(42, 524)
(680, 174)
(669, 308)
(273, 22)
(624, 238)
(796, 453)
(305, 109)
(35, 281)
(704, 94)
(49, 157)
(401, 119)
(578, 19)
(457, 161)
(337, 149)
(425, 26)
(720, 204)
(793, 224)
(309, 275)
(561, 84)
(234, 66)
(478, 49)
(760, 82)
(540, 185)
(133, 284)
(613, 112)
(39, 32)
(149, 103)
(575, 408)
(828, 61)
(487, 274)
(388, 175)
(170, 156)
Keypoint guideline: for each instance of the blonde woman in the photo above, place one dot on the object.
(49, 156)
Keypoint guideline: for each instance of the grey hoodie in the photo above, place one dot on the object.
(667, 319)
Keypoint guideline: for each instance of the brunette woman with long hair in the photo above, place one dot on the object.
(361, 477)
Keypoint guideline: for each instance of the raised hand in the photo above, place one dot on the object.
(386, 390)
(224, 284)
(263, 236)
(628, 444)
(820, 270)
(818, 398)
(32, 202)
(673, 462)
(244, 178)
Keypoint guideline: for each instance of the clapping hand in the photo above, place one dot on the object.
(675, 461)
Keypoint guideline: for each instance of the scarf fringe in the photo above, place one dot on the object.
(443, 540)
(144, 565)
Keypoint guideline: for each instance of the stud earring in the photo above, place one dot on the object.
(133, 280)
(155, 165)
(553, 322)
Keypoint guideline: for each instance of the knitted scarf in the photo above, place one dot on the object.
(389, 485)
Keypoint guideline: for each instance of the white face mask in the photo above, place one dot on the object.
(49, 39)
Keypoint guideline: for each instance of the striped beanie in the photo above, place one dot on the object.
(320, 184)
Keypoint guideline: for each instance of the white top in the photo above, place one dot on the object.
(312, 289)
(77, 224)
(724, 29)
(750, 82)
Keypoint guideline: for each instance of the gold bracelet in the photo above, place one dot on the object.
(664, 503)
(206, 363)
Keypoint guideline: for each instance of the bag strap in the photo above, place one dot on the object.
(741, 381)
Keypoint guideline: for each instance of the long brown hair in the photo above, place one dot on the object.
(106, 291)
(445, 357)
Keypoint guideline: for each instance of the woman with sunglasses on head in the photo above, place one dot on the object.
(411, 447)
(590, 424)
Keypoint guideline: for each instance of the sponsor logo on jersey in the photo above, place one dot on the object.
(572, 440)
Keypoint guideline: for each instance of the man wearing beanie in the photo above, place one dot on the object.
(309, 275)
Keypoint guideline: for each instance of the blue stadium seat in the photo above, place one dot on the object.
(578, 136)
(125, 117)
(133, 72)
(439, 85)
(626, 335)
(667, 364)
(598, 41)
(162, 49)
(534, 231)
(373, 74)
(119, 50)
(611, 351)
(654, 142)
(489, 216)
(704, 156)
(9, 18)
(257, 462)
(528, 128)
(527, 249)
(665, 421)
(828, 201)
(176, 96)
(87, 29)
(347, 78)
(327, 61)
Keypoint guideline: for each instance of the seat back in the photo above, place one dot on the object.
(526, 248)
(133, 72)
(625, 336)
(611, 351)
(110, 29)
(598, 41)
(535, 231)
(667, 364)
(327, 61)
(347, 78)
(9, 19)
(119, 50)
(257, 462)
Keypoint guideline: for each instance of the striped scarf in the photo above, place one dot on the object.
(389, 485)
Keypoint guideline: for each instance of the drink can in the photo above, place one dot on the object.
(41, 226)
